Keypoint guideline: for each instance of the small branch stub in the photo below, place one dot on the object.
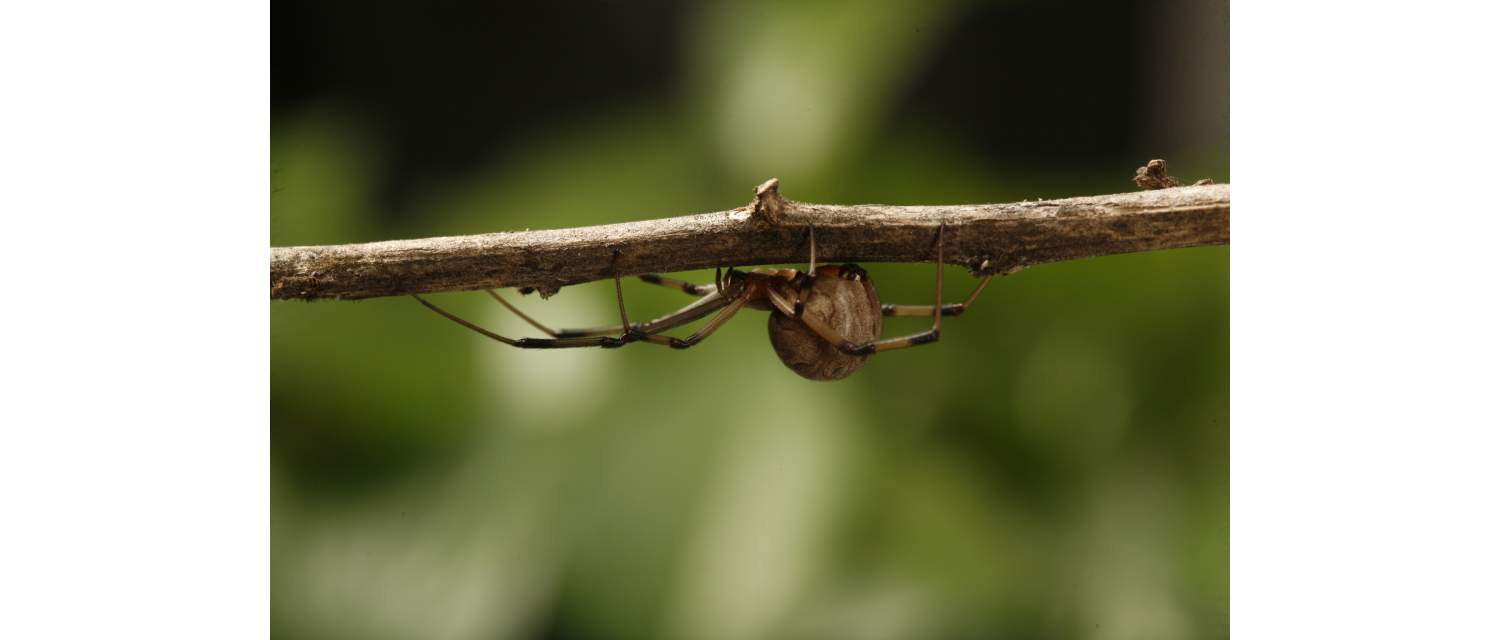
(768, 203)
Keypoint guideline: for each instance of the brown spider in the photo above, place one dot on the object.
(825, 322)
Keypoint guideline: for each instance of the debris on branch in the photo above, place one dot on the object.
(1154, 176)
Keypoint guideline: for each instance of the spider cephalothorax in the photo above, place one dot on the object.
(825, 322)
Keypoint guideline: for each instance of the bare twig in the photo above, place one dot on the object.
(988, 238)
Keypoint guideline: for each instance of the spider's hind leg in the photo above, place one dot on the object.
(950, 309)
(938, 310)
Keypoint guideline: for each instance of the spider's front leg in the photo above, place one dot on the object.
(528, 343)
(694, 311)
(604, 336)
(587, 338)
(681, 285)
(698, 336)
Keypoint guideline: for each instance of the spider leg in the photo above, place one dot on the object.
(625, 320)
(704, 331)
(681, 285)
(812, 250)
(596, 331)
(812, 268)
(528, 343)
(697, 309)
(951, 309)
(628, 334)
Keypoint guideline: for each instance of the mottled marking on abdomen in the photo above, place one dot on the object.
(849, 306)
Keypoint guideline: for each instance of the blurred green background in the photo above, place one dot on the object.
(1056, 467)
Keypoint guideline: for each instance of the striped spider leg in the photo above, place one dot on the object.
(603, 336)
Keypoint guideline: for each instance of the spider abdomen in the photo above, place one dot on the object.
(844, 299)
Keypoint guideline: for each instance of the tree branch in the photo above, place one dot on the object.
(987, 238)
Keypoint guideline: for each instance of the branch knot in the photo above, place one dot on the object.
(768, 203)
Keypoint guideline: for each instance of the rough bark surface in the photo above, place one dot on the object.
(987, 238)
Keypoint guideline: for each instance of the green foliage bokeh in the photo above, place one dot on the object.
(1057, 466)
